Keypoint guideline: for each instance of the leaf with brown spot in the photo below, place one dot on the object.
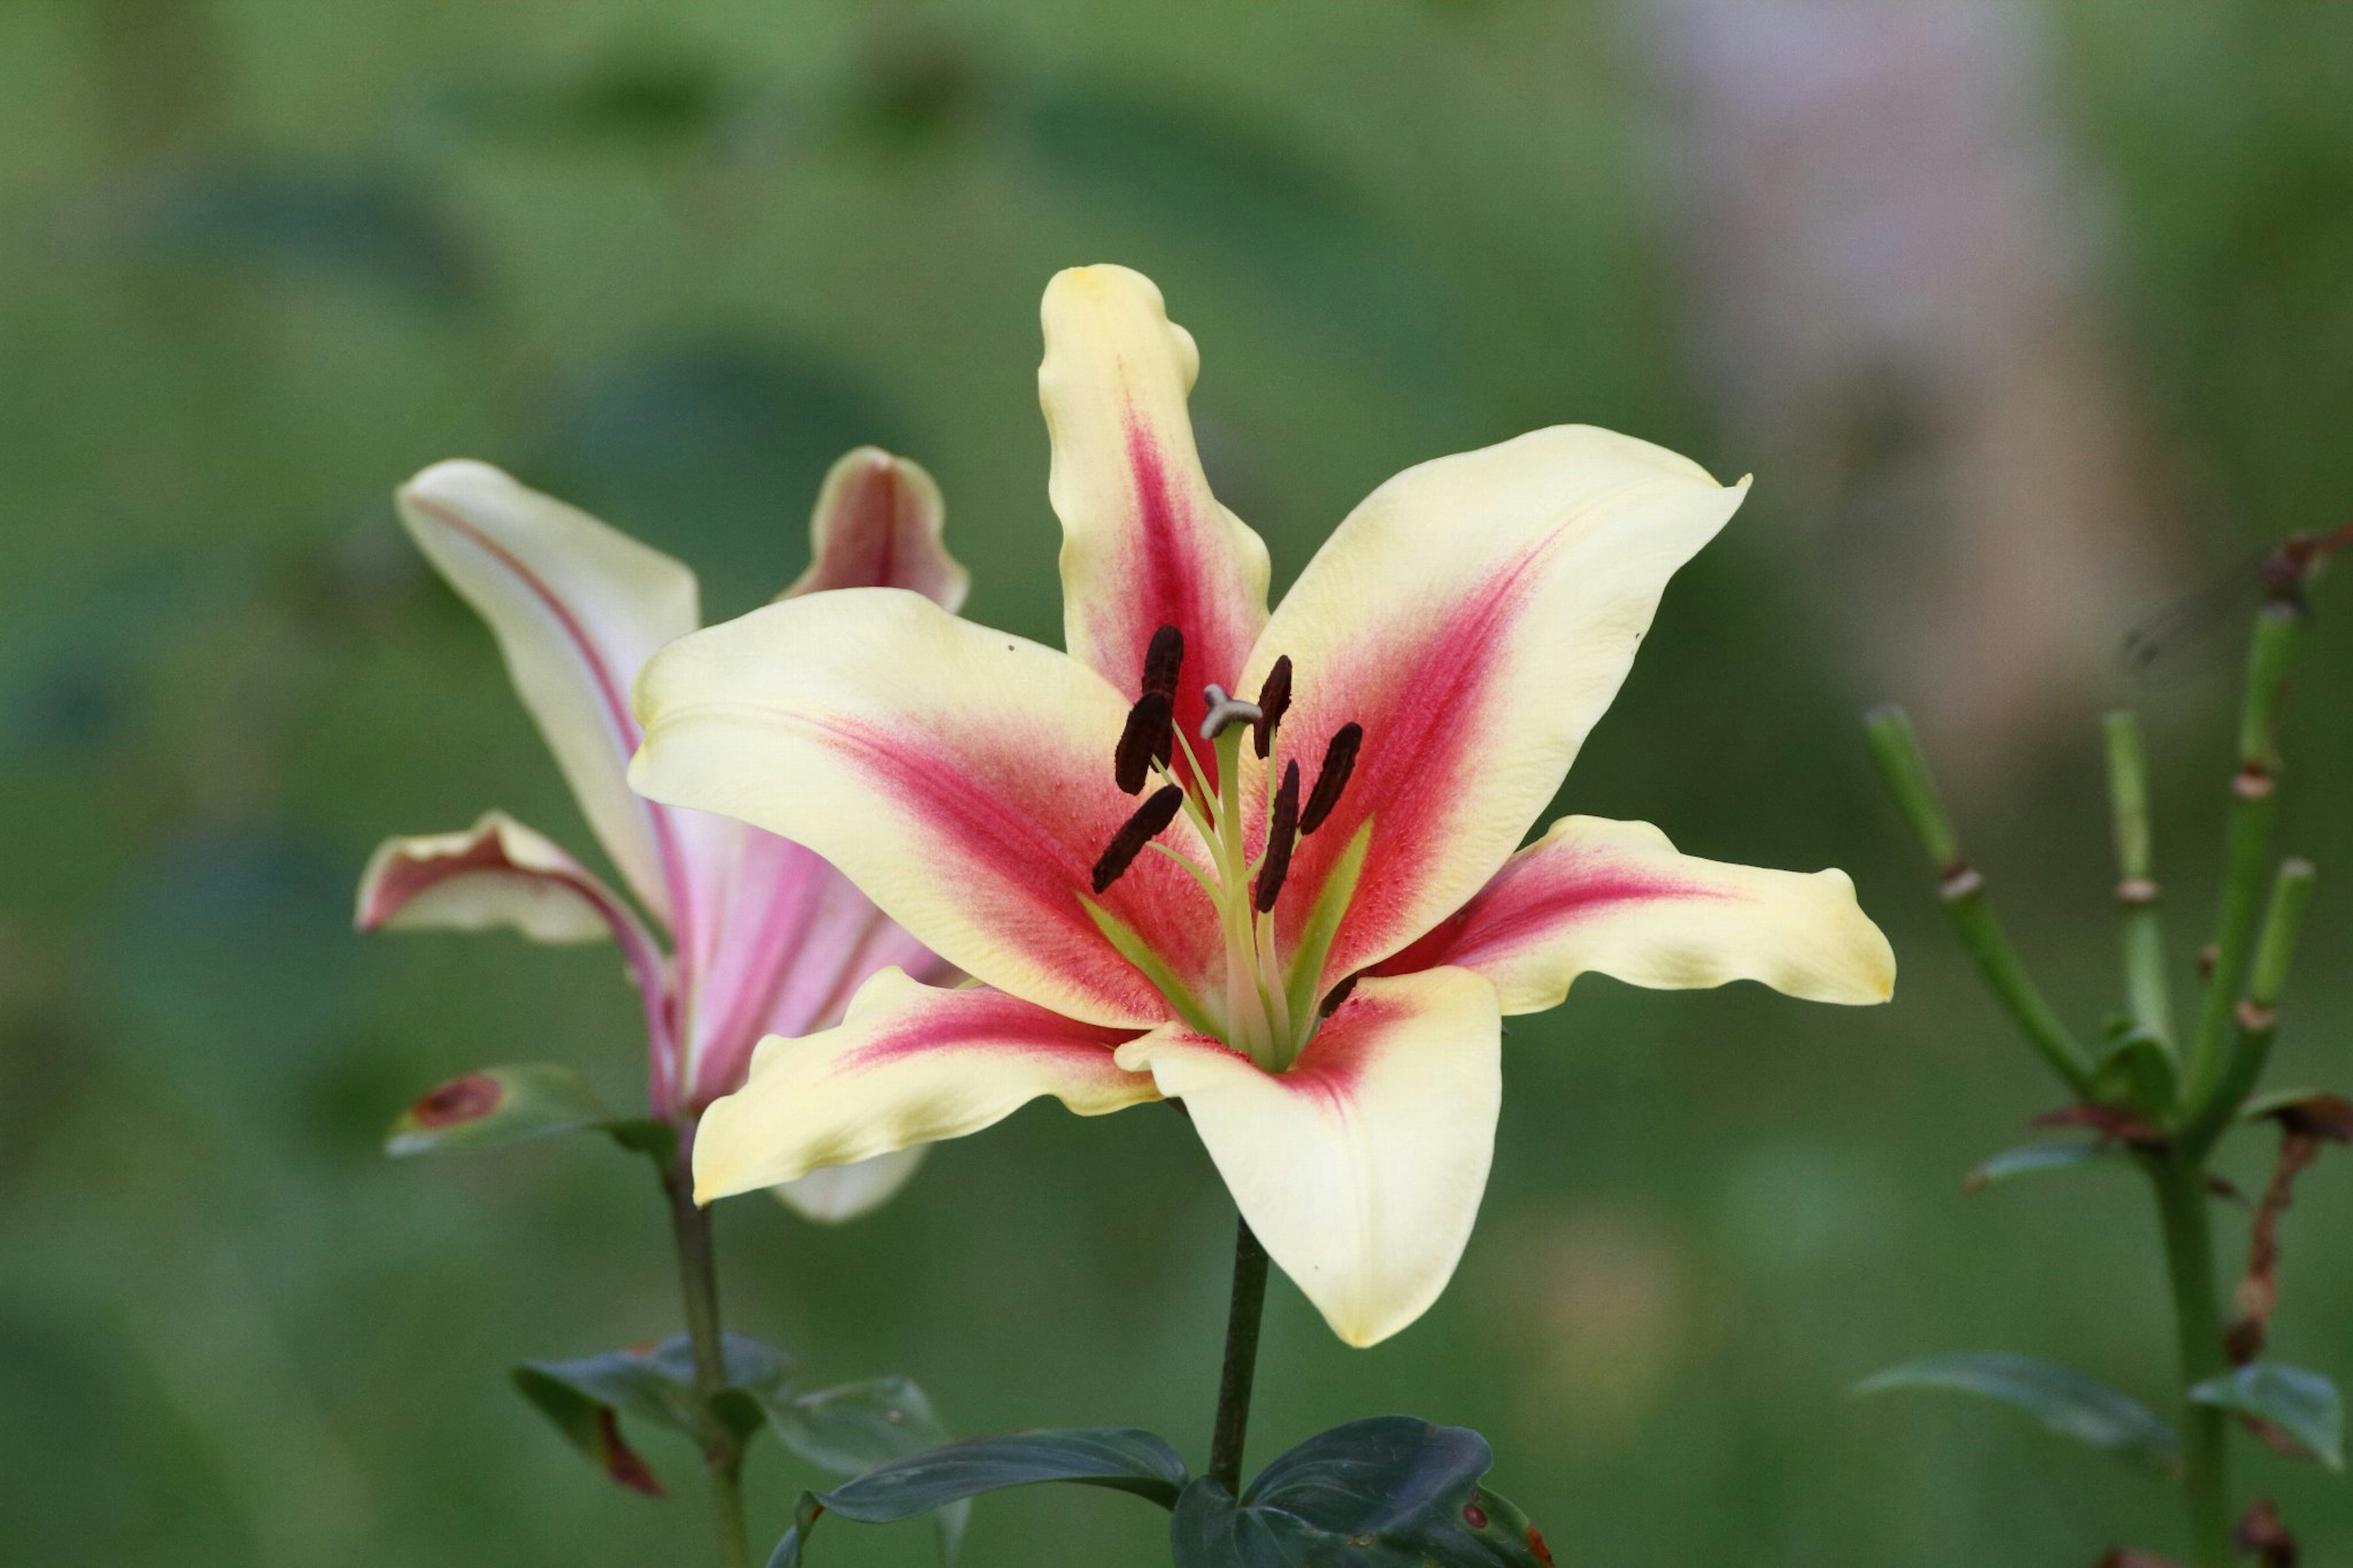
(497, 1106)
(2115, 1120)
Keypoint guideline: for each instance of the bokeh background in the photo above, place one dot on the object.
(2028, 317)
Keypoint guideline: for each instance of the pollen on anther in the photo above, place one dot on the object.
(1282, 834)
(1338, 995)
(1273, 701)
(1339, 762)
(1155, 814)
(1143, 742)
(1163, 660)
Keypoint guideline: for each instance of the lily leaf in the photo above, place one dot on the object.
(860, 1427)
(2304, 1404)
(2029, 1159)
(586, 1398)
(2063, 1400)
(495, 1107)
(1120, 1458)
(1390, 1492)
(2140, 1067)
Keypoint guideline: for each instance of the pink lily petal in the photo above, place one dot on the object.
(576, 607)
(1617, 898)
(1143, 541)
(960, 776)
(909, 1065)
(1475, 616)
(877, 524)
(1362, 1167)
(502, 873)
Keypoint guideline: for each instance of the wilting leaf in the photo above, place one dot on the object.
(2063, 1400)
(497, 1106)
(1121, 1458)
(2304, 1404)
(2033, 1158)
(2314, 1111)
(1390, 1492)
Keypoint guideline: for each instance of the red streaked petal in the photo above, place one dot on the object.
(878, 524)
(909, 1065)
(576, 607)
(1475, 615)
(961, 778)
(1616, 898)
(1361, 1168)
(1143, 541)
(500, 873)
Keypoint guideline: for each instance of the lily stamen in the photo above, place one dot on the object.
(1273, 701)
(1339, 762)
(1150, 820)
(1280, 836)
(1145, 742)
(1163, 660)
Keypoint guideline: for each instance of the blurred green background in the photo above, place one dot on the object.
(262, 260)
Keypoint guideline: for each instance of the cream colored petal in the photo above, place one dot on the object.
(576, 606)
(960, 777)
(839, 1194)
(1475, 615)
(909, 1065)
(498, 873)
(878, 524)
(1143, 541)
(1616, 898)
(1360, 1169)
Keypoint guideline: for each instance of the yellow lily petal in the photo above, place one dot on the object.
(909, 1065)
(839, 1194)
(961, 778)
(1617, 898)
(1143, 541)
(576, 607)
(1475, 615)
(878, 524)
(1362, 1167)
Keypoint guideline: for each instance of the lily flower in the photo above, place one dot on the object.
(1305, 913)
(765, 937)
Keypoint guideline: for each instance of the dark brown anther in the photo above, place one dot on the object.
(1163, 660)
(1339, 762)
(1338, 995)
(1280, 836)
(1273, 701)
(1145, 741)
(1139, 830)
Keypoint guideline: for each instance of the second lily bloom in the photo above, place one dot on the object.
(1305, 914)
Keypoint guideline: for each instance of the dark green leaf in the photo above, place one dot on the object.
(656, 1383)
(2036, 1157)
(1120, 1458)
(2137, 1066)
(861, 1426)
(2063, 1400)
(1390, 1492)
(497, 1106)
(2304, 1404)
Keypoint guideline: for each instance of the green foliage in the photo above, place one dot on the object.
(1388, 1493)
(2063, 1400)
(2304, 1404)
(496, 1107)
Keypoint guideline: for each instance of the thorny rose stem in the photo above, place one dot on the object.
(698, 1278)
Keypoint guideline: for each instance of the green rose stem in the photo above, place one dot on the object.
(2233, 1033)
(1244, 1313)
(698, 1278)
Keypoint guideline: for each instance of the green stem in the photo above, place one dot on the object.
(698, 1278)
(2251, 809)
(2183, 1206)
(1243, 1314)
(2255, 1018)
(2148, 996)
(1962, 891)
